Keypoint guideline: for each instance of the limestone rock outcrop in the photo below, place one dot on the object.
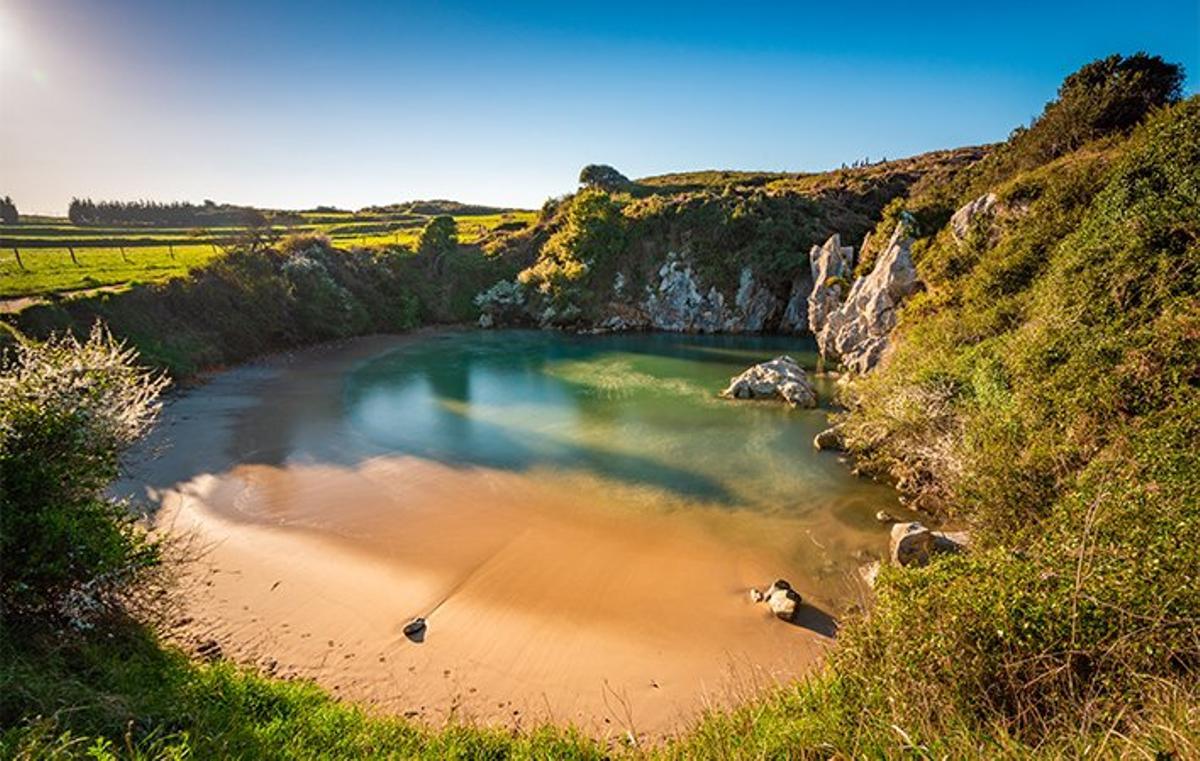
(965, 218)
(679, 303)
(795, 312)
(779, 378)
(856, 332)
(756, 305)
(832, 265)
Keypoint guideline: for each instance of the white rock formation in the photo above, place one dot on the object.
(965, 217)
(756, 305)
(678, 305)
(779, 378)
(857, 331)
(832, 265)
(784, 603)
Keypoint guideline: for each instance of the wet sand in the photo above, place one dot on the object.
(547, 598)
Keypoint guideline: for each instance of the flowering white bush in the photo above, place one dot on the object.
(67, 409)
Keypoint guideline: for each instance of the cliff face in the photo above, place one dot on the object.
(708, 252)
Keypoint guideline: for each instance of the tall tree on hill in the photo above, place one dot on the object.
(438, 240)
(8, 211)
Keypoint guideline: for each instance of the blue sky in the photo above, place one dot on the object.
(294, 104)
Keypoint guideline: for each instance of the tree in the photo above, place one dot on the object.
(438, 240)
(1108, 96)
(8, 211)
(604, 177)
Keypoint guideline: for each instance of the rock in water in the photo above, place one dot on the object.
(780, 378)
(756, 595)
(883, 516)
(784, 603)
(830, 438)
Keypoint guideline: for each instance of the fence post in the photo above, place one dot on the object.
(71, 249)
(171, 250)
(20, 263)
(124, 258)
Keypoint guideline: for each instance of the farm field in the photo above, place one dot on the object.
(45, 255)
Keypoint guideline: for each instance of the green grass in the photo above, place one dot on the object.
(51, 270)
(119, 692)
(125, 695)
(154, 254)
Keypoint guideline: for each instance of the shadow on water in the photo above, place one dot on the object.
(816, 620)
(501, 400)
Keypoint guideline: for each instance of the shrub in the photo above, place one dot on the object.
(1106, 97)
(67, 409)
(592, 235)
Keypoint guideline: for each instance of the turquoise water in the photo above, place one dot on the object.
(638, 411)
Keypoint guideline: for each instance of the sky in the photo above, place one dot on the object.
(294, 104)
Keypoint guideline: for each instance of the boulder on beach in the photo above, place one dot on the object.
(779, 378)
(784, 603)
(780, 598)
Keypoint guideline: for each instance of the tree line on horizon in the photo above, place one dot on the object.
(85, 211)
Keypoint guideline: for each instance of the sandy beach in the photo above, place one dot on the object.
(544, 601)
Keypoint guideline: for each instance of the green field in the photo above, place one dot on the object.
(113, 256)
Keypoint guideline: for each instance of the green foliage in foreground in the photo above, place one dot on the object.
(122, 694)
(67, 409)
(125, 695)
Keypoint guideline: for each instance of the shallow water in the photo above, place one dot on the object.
(573, 516)
(639, 413)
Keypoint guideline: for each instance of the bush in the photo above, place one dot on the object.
(67, 409)
(439, 238)
(582, 249)
(1106, 97)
